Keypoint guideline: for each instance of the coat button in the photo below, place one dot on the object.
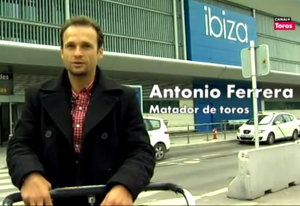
(109, 172)
(48, 134)
(104, 135)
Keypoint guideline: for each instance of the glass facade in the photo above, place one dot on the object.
(282, 105)
(144, 27)
(284, 46)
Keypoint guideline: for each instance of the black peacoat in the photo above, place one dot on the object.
(115, 145)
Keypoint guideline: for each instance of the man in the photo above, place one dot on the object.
(80, 129)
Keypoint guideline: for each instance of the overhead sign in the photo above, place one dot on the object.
(6, 84)
(215, 34)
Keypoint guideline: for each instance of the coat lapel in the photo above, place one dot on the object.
(101, 103)
(56, 102)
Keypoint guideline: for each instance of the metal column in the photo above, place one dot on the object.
(254, 13)
(10, 119)
(183, 30)
(67, 11)
(175, 22)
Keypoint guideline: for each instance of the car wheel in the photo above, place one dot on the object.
(295, 135)
(160, 151)
(271, 138)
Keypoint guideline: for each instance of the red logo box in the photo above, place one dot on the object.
(284, 24)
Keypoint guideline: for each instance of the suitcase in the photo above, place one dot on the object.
(92, 191)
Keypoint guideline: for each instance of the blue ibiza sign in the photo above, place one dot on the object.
(217, 35)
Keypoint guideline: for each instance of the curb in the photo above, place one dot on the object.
(204, 136)
(200, 143)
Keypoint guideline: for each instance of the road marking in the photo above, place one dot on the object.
(3, 170)
(5, 181)
(191, 162)
(171, 161)
(4, 175)
(174, 201)
(245, 203)
(17, 203)
(7, 187)
(147, 194)
(210, 155)
(182, 201)
(3, 195)
(213, 193)
(237, 151)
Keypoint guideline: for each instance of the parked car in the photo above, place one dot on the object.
(298, 119)
(159, 136)
(271, 126)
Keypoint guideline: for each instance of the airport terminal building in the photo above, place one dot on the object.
(184, 43)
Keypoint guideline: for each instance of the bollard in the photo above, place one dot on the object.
(215, 133)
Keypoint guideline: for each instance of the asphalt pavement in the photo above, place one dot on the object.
(205, 170)
(200, 168)
(6, 186)
(206, 150)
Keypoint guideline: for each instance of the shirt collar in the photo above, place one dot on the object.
(87, 89)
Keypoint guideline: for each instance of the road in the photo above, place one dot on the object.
(6, 186)
(205, 170)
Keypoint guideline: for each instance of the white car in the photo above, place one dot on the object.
(271, 126)
(298, 119)
(159, 136)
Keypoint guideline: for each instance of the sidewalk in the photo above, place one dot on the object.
(184, 140)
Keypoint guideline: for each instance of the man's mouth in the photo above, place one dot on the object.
(78, 63)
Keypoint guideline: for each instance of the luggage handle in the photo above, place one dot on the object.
(101, 189)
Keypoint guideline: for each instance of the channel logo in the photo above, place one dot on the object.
(284, 24)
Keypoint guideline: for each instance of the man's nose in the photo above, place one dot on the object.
(78, 51)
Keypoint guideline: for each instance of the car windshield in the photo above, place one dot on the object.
(262, 120)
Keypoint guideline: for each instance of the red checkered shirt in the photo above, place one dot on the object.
(78, 112)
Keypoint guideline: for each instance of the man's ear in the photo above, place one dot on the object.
(100, 53)
(61, 53)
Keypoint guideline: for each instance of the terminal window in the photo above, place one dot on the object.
(276, 105)
(161, 103)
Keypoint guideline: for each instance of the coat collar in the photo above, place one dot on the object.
(56, 99)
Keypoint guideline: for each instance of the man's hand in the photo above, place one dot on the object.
(118, 196)
(36, 191)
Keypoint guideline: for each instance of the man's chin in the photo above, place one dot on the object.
(78, 72)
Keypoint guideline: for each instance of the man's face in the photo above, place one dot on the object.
(80, 52)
